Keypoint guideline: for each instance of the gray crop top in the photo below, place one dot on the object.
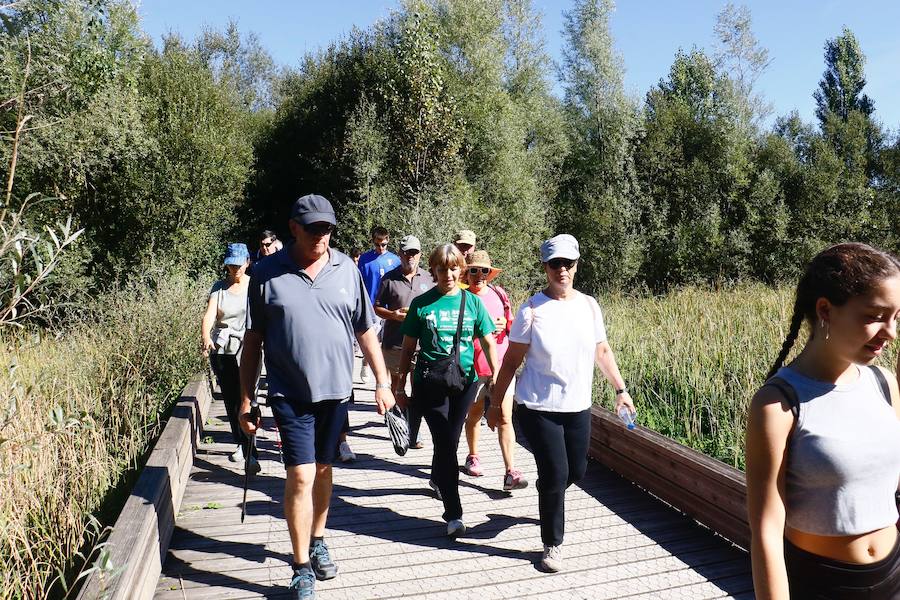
(843, 461)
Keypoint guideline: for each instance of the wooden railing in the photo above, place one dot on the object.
(705, 489)
(141, 534)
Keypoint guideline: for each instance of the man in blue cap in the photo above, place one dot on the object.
(306, 303)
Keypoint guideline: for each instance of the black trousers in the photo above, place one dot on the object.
(225, 368)
(813, 577)
(445, 416)
(559, 442)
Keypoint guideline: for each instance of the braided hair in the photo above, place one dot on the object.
(837, 274)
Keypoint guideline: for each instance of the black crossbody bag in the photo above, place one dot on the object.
(446, 374)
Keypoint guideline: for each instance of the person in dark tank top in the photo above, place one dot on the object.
(823, 439)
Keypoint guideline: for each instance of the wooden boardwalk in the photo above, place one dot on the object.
(386, 534)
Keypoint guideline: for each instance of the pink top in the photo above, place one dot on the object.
(496, 307)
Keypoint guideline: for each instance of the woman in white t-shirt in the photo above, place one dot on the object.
(560, 335)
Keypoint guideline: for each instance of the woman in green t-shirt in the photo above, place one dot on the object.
(431, 323)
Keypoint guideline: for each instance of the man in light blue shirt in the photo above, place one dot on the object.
(373, 265)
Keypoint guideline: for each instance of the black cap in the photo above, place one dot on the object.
(313, 208)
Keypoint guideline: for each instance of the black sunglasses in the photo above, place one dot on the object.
(411, 253)
(318, 228)
(477, 270)
(558, 263)
(267, 244)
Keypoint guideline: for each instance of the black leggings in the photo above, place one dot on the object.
(814, 577)
(559, 442)
(225, 367)
(445, 416)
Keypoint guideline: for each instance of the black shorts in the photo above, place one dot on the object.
(309, 430)
(813, 577)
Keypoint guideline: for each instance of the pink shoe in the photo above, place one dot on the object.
(473, 466)
(514, 480)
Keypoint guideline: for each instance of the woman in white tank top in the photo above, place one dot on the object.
(823, 439)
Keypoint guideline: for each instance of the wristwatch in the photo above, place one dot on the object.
(621, 391)
(382, 386)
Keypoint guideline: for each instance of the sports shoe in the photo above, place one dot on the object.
(320, 560)
(437, 491)
(254, 466)
(514, 480)
(238, 455)
(364, 373)
(473, 466)
(456, 528)
(552, 560)
(345, 452)
(303, 584)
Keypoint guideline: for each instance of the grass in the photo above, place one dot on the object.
(79, 414)
(695, 357)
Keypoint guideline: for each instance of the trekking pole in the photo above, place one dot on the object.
(251, 446)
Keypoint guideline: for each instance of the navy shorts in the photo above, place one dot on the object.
(309, 430)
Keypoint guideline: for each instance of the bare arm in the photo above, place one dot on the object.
(206, 324)
(769, 425)
(390, 315)
(406, 354)
(249, 370)
(371, 349)
(607, 363)
(513, 358)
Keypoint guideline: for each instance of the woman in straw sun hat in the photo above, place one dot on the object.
(480, 273)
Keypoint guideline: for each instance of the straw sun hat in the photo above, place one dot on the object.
(480, 258)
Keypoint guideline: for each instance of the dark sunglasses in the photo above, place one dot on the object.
(267, 244)
(411, 253)
(381, 244)
(318, 228)
(558, 263)
(477, 270)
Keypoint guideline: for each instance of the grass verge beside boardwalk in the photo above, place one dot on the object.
(694, 358)
(79, 414)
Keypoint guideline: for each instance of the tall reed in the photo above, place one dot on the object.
(81, 410)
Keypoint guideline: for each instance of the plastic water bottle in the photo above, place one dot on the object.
(627, 417)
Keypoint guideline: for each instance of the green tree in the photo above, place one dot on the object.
(599, 196)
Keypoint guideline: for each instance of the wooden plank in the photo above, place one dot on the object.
(705, 489)
(143, 529)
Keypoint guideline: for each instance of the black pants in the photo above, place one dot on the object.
(225, 367)
(445, 416)
(813, 577)
(559, 442)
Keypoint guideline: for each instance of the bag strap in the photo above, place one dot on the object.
(882, 383)
(788, 391)
(459, 323)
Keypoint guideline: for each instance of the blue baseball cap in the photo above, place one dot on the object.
(237, 254)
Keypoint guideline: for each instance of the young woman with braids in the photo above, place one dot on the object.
(823, 439)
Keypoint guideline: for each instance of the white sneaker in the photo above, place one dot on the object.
(364, 373)
(346, 453)
(237, 456)
(456, 528)
(552, 560)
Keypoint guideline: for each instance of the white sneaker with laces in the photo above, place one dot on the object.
(237, 456)
(456, 528)
(345, 452)
(552, 560)
(364, 373)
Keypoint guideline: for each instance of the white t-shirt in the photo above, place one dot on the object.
(559, 366)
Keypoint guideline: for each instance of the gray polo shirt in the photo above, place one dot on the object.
(396, 291)
(308, 326)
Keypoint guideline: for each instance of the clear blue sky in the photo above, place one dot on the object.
(647, 34)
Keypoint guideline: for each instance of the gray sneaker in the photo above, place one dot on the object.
(321, 562)
(552, 560)
(456, 528)
(237, 456)
(303, 584)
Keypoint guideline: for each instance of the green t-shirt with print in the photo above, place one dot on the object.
(432, 320)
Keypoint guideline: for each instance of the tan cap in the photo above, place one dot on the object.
(464, 236)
